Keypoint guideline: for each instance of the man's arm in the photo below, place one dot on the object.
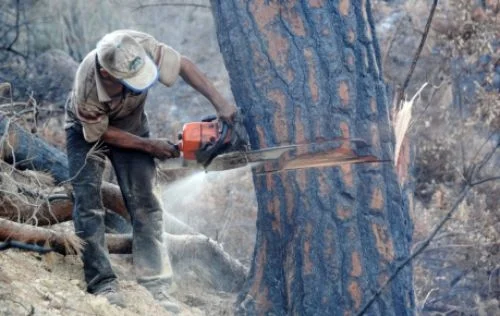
(158, 148)
(196, 79)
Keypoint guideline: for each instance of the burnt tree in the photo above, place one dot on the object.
(327, 238)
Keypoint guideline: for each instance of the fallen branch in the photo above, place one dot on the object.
(63, 243)
(58, 209)
(27, 151)
(207, 258)
(51, 211)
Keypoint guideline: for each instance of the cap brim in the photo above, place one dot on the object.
(144, 78)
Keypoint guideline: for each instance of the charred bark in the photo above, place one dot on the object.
(308, 72)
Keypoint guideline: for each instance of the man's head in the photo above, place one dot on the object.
(125, 59)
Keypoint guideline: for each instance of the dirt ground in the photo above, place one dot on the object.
(32, 284)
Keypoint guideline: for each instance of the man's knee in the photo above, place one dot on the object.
(87, 199)
(144, 200)
(87, 190)
(148, 219)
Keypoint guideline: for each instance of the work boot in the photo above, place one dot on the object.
(113, 296)
(167, 301)
(159, 289)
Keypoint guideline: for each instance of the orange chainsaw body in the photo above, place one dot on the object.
(195, 135)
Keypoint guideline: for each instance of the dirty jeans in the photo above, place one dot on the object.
(135, 171)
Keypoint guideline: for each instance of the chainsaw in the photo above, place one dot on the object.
(214, 145)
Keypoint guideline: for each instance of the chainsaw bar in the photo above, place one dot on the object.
(271, 160)
(229, 160)
(241, 158)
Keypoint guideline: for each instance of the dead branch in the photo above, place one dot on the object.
(16, 26)
(206, 257)
(417, 54)
(30, 151)
(18, 13)
(67, 244)
(485, 180)
(58, 208)
(24, 246)
(53, 210)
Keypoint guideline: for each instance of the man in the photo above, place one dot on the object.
(106, 109)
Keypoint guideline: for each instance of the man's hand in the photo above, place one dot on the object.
(228, 113)
(162, 149)
(158, 148)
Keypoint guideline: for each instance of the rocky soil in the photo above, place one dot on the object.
(31, 284)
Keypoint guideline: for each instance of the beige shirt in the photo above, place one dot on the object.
(90, 105)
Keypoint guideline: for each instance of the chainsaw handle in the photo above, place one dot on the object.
(223, 134)
(209, 118)
(207, 153)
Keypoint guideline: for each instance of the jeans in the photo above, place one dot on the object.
(135, 172)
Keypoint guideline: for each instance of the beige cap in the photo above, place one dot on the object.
(126, 60)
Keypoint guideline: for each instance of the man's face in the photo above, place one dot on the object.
(107, 76)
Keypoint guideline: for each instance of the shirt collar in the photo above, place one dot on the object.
(102, 95)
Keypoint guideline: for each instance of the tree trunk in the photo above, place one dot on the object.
(327, 238)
